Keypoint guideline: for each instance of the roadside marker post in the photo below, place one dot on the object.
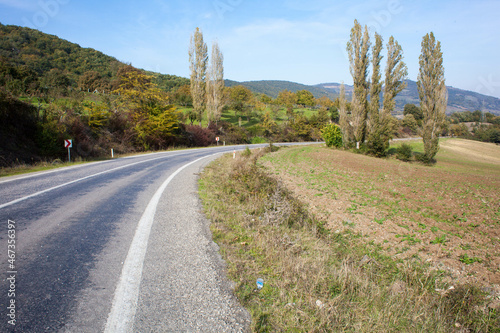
(68, 143)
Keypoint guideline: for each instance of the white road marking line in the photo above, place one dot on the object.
(43, 173)
(73, 181)
(122, 315)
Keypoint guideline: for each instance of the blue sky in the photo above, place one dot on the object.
(294, 40)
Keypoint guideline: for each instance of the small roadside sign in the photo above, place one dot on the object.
(68, 143)
(217, 139)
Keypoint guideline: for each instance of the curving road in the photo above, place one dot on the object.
(114, 246)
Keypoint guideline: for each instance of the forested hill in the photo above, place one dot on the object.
(272, 88)
(458, 99)
(32, 61)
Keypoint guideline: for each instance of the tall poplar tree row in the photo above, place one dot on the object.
(215, 85)
(369, 121)
(359, 59)
(207, 84)
(433, 94)
(395, 73)
(198, 58)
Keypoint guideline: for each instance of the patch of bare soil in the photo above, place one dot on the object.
(446, 218)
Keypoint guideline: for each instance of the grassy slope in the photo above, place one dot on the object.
(319, 278)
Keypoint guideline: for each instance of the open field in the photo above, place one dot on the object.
(346, 242)
(448, 215)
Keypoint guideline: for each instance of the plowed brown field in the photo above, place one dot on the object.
(447, 214)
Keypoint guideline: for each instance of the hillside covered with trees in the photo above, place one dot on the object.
(458, 99)
(35, 63)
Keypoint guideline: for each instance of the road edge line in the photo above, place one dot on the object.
(122, 314)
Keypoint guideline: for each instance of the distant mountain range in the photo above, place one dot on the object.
(458, 99)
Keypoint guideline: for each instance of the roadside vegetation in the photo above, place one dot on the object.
(348, 242)
(41, 166)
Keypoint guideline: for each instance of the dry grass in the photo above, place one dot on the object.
(317, 280)
(40, 166)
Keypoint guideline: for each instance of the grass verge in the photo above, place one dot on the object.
(42, 166)
(316, 280)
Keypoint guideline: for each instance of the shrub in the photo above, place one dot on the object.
(247, 152)
(404, 152)
(332, 135)
(232, 134)
(258, 139)
(199, 136)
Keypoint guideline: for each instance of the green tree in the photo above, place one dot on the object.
(358, 50)
(410, 122)
(415, 111)
(239, 97)
(301, 127)
(266, 99)
(432, 93)
(92, 80)
(153, 118)
(57, 81)
(287, 99)
(97, 114)
(198, 58)
(332, 135)
(270, 126)
(305, 98)
(477, 116)
(182, 95)
(325, 102)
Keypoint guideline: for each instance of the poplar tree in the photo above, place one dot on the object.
(198, 58)
(215, 85)
(357, 49)
(375, 86)
(395, 73)
(345, 120)
(432, 93)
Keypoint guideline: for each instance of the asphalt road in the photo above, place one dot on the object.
(114, 246)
